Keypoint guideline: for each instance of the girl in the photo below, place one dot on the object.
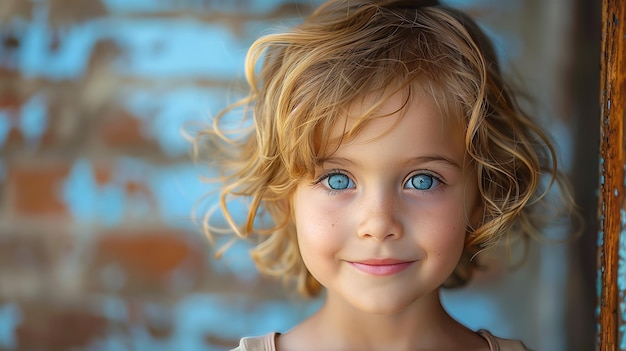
(388, 151)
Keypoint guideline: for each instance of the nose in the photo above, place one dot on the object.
(380, 216)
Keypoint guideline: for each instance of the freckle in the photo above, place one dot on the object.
(332, 225)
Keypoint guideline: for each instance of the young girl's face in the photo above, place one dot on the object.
(383, 224)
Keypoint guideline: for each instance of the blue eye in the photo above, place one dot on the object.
(338, 181)
(421, 182)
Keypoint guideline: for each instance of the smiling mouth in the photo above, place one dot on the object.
(381, 267)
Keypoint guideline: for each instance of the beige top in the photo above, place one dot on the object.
(267, 343)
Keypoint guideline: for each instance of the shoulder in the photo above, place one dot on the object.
(499, 344)
(258, 343)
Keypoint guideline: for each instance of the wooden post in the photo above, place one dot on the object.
(612, 212)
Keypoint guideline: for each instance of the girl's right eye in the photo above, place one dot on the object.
(337, 181)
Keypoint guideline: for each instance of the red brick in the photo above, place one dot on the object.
(153, 254)
(10, 101)
(34, 189)
(147, 257)
(124, 131)
(51, 328)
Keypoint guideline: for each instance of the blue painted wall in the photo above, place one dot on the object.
(171, 64)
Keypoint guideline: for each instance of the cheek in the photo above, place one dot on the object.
(445, 238)
(320, 230)
(317, 230)
(319, 242)
(445, 229)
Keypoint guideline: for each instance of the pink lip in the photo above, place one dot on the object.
(381, 266)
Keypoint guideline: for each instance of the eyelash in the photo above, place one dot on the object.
(436, 181)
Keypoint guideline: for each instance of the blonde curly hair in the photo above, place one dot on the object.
(347, 49)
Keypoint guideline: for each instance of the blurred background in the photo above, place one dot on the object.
(98, 249)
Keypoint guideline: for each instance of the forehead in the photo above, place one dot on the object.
(414, 101)
(400, 128)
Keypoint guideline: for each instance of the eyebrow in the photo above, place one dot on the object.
(336, 160)
(414, 160)
(435, 158)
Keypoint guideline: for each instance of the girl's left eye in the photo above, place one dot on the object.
(422, 182)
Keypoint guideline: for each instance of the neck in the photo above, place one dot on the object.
(421, 323)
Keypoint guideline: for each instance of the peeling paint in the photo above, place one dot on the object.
(171, 191)
(89, 202)
(165, 112)
(600, 238)
(621, 280)
(5, 126)
(34, 119)
(153, 50)
(10, 317)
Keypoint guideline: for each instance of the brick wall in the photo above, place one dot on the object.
(98, 250)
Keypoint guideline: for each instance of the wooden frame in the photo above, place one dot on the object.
(612, 210)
